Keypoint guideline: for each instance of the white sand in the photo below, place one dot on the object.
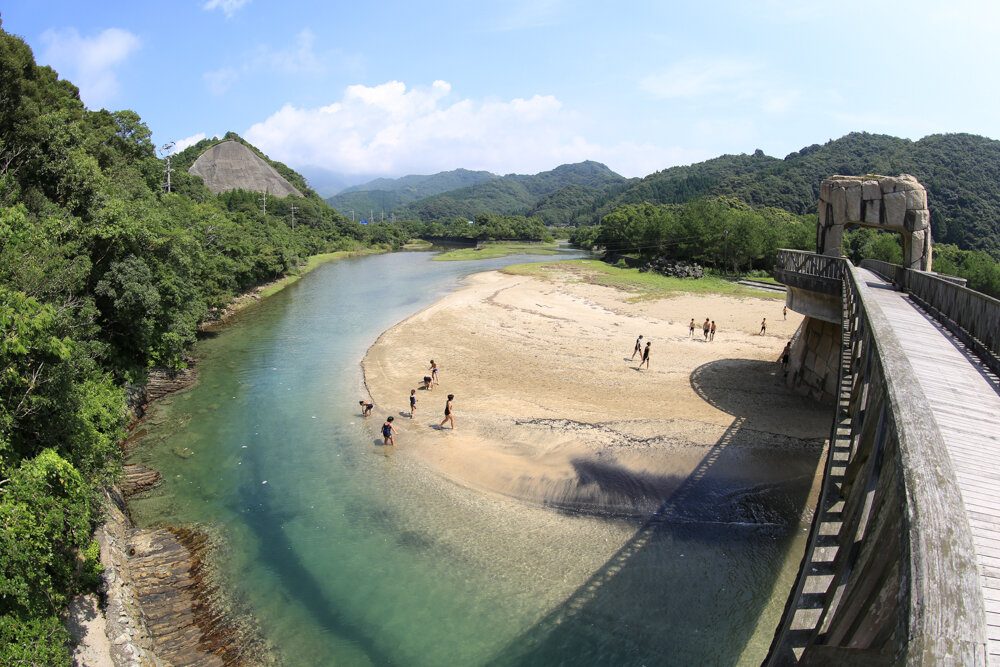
(545, 389)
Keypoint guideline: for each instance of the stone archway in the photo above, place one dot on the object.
(897, 203)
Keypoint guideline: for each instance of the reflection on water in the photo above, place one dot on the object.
(351, 554)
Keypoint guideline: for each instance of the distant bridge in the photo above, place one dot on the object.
(903, 562)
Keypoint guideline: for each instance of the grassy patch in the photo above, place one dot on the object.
(499, 249)
(417, 244)
(312, 262)
(640, 286)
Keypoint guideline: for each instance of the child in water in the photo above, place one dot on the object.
(413, 402)
(387, 430)
(366, 408)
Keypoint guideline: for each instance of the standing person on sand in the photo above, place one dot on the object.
(705, 327)
(645, 356)
(638, 346)
(711, 332)
(784, 312)
(387, 430)
(691, 328)
(413, 402)
(434, 372)
(449, 415)
(763, 326)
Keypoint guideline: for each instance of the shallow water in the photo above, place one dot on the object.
(351, 554)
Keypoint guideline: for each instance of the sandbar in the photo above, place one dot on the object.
(551, 409)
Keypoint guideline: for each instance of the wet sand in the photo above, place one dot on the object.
(551, 409)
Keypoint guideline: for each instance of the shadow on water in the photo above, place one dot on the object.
(279, 554)
(691, 584)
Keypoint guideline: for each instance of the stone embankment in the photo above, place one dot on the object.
(163, 604)
(673, 268)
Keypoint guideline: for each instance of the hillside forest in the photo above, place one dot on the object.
(105, 273)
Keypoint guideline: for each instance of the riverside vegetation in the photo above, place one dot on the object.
(103, 274)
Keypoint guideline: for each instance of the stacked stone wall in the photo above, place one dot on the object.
(814, 362)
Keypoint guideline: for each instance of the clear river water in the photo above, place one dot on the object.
(347, 553)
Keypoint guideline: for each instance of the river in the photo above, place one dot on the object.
(349, 554)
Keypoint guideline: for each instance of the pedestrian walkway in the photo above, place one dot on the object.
(965, 401)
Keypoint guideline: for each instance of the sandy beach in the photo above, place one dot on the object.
(551, 409)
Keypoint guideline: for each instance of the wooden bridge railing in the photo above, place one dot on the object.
(903, 586)
(809, 263)
(972, 316)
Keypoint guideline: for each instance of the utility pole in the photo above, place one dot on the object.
(725, 249)
(263, 199)
(352, 215)
(294, 209)
(166, 149)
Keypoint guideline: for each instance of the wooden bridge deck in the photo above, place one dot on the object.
(965, 401)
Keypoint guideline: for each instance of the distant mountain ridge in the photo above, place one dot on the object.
(388, 194)
(513, 194)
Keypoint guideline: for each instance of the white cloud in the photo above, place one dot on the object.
(187, 141)
(221, 80)
(701, 77)
(392, 129)
(526, 14)
(722, 82)
(228, 6)
(300, 58)
(89, 62)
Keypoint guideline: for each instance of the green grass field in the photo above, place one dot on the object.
(498, 249)
(640, 286)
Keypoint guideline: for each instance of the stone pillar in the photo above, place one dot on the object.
(895, 203)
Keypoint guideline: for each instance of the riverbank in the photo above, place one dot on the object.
(493, 249)
(550, 407)
(160, 601)
(222, 315)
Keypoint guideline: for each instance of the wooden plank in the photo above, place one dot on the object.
(986, 480)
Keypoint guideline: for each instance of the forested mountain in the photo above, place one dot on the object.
(516, 194)
(384, 195)
(960, 171)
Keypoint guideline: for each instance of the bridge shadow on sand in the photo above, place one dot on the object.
(690, 585)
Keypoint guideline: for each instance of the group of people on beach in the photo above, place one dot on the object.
(707, 329)
(389, 429)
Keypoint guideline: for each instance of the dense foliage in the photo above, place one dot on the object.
(484, 227)
(976, 266)
(960, 171)
(722, 233)
(102, 274)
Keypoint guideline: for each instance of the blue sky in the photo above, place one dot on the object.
(344, 92)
